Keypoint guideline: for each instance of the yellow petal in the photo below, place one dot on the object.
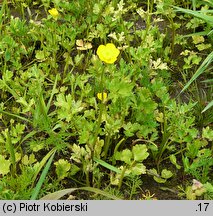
(102, 96)
(54, 13)
(108, 53)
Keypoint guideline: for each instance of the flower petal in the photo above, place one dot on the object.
(108, 53)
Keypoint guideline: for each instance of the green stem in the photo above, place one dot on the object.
(106, 146)
(12, 153)
(97, 130)
(72, 85)
(99, 117)
(115, 150)
(174, 154)
(148, 20)
(173, 35)
(162, 149)
(121, 178)
(2, 12)
(87, 178)
(165, 139)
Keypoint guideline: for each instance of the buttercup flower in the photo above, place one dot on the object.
(102, 96)
(54, 13)
(108, 53)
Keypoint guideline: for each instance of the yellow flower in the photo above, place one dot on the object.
(54, 13)
(102, 96)
(108, 53)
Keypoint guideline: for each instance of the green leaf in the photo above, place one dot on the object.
(138, 169)
(190, 195)
(28, 160)
(207, 133)
(197, 39)
(208, 107)
(166, 173)
(59, 194)
(16, 116)
(37, 189)
(7, 76)
(209, 187)
(126, 156)
(200, 70)
(186, 164)
(120, 88)
(115, 179)
(32, 158)
(173, 159)
(159, 180)
(199, 14)
(140, 152)
(25, 160)
(202, 46)
(62, 168)
(7, 55)
(78, 59)
(41, 55)
(156, 177)
(131, 129)
(108, 166)
(5, 165)
(42, 163)
(74, 169)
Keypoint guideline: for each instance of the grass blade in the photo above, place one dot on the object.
(59, 194)
(208, 106)
(12, 152)
(199, 14)
(15, 116)
(42, 178)
(42, 163)
(200, 70)
(108, 166)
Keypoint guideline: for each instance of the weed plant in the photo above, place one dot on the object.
(113, 98)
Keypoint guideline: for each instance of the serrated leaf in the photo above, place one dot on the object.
(207, 133)
(40, 54)
(74, 169)
(153, 171)
(166, 173)
(17, 157)
(5, 165)
(32, 159)
(114, 179)
(138, 169)
(25, 160)
(140, 152)
(126, 156)
(160, 117)
(62, 168)
(209, 187)
(197, 39)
